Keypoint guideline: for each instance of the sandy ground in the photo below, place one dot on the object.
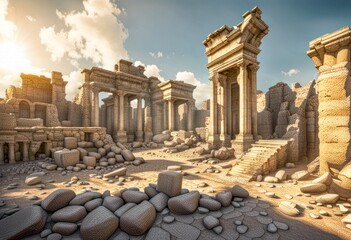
(302, 227)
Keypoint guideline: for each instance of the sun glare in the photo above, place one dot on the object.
(12, 57)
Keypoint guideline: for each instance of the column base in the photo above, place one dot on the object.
(121, 136)
(242, 143)
(139, 136)
(214, 140)
(225, 139)
(148, 136)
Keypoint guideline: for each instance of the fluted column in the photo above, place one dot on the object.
(254, 69)
(2, 158)
(171, 115)
(148, 128)
(139, 131)
(12, 153)
(25, 154)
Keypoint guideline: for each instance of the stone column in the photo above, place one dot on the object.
(115, 116)
(25, 153)
(229, 110)
(244, 139)
(254, 69)
(331, 56)
(165, 123)
(121, 134)
(171, 115)
(12, 153)
(2, 157)
(148, 130)
(222, 79)
(95, 108)
(139, 131)
(190, 122)
(213, 133)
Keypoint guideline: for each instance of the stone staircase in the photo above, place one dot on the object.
(263, 157)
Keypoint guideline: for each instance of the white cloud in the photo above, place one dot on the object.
(150, 70)
(94, 34)
(156, 54)
(8, 28)
(13, 59)
(74, 82)
(30, 18)
(202, 90)
(291, 72)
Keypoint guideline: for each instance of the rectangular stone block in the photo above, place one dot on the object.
(90, 161)
(64, 158)
(170, 183)
(70, 142)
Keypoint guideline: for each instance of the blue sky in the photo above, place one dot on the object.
(164, 35)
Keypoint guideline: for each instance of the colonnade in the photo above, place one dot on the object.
(11, 152)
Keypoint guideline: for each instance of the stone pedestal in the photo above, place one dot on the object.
(242, 144)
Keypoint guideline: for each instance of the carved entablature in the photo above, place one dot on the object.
(177, 90)
(331, 49)
(227, 46)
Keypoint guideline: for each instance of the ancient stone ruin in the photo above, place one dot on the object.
(291, 138)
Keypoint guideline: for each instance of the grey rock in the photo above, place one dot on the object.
(170, 183)
(25, 222)
(210, 222)
(69, 214)
(45, 233)
(281, 226)
(33, 180)
(241, 229)
(272, 228)
(124, 209)
(112, 203)
(128, 155)
(54, 236)
(57, 199)
(182, 230)
(92, 204)
(99, 224)
(65, 228)
(218, 229)
(225, 198)
(184, 204)
(238, 191)
(137, 220)
(157, 233)
(210, 204)
(150, 191)
(168, 219)
(130, 196)
(159, 201)
(300, 175)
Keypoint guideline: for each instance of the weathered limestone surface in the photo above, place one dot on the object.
(331, 56)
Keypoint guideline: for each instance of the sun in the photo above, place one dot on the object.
(12, 57)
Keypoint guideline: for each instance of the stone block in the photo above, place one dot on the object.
(89, 161)
(170, 183)
(64, 158)
(70, 142)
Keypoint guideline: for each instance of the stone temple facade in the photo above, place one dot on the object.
(232, 63)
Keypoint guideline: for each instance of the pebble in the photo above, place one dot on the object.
(307, 195)
(201, 185)
(338, 213)
(343, 209)
(312, 202)
(323, 213)
(298, 194)
(288, 196)
(272, 228)
(281, 226)
(314, 215)
(202, 210)
(168, 219)
(271, 186)
(218, 229)
(263, 213)
(242, 229)
(238, 222)
(270, 194)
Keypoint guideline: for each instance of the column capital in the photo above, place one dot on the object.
(242, 64)
(121, 93)
(254, 67)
